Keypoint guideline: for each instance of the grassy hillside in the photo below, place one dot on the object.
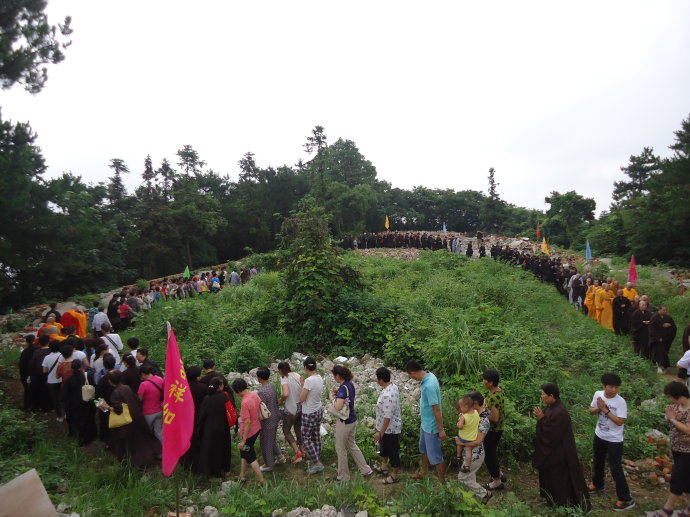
(458, 316)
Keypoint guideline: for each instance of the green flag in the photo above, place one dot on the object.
(186, 272)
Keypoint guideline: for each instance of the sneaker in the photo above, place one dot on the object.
(60, 419)
(297, 458)
(621, 506)
(264, 468)
(593, 488)
(315, 469)
(367, 474)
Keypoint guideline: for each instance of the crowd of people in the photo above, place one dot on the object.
(78, 367)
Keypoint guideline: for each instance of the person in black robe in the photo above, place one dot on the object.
(135, 439)
(469, 252)
(199, 392)
(24, 362)
(213, 431)
(561, 481)
(39, 399)
(82, 415)
(662, 332)
(639, 329)
(621, 314)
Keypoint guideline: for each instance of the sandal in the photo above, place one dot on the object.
(390, 480)
(380, 470)
(465, 468)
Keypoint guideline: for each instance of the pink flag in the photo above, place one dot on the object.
(178, 408)
(632, 271)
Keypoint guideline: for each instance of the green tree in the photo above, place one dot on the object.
(640, 169)
(116, 187)
(566, 217)
(28, 42)
(493, 213)
(314, 277)
(189, 161)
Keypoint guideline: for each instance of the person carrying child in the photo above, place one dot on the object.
(468, 425)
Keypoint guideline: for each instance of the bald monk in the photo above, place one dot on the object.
(589, 298)
(76, 319)
(53, 334)
(606, 308)
(629, 291)
(50, 322)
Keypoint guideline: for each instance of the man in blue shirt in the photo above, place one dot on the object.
(431, 432)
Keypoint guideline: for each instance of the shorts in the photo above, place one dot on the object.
(680, 475)
(250, 455)
(390, 448)
(430, 444)
(462, 440)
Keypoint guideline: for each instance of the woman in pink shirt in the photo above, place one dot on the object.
(250, 425)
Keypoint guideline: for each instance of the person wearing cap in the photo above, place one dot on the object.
(312, 414)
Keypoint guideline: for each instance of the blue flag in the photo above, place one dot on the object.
(588, 252)
(444, 228)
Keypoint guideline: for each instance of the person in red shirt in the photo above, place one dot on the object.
(250, 426)
(151, 396)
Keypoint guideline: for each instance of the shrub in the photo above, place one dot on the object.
(18, 432)
(244, 354)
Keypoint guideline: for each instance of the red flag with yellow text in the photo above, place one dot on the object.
(538, 231)
(178, 408)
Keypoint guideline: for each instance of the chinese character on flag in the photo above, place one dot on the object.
(178, 408)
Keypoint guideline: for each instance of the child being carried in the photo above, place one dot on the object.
(468, 427)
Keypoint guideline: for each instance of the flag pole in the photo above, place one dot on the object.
(177, 495)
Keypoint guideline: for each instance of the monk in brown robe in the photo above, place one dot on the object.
(639, 329)
(561, 480)
(662, 332)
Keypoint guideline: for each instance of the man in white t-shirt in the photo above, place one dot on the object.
(112, 340)
(50, 364)
(612, 412)
(98, 320)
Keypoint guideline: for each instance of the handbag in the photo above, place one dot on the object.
(230, 412)
(344, 412)
(115, 420)
(88, 391)
(265, 412)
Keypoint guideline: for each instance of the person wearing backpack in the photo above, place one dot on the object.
(151, 396)
(269, 426)
(212, 430)
(78, 393)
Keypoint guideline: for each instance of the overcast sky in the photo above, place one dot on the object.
(553, 95)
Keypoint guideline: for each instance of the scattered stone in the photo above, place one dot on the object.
(363, 513)
(211, 511)
(300, 511)
(328, 511)
(204, 496)
(192, 510)
(62, 507)
(225, 486)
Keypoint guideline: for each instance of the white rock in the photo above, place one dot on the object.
(328, 511)
(299, 512)
(226, 485)
(340, 359)
(211, 511)
(298, 357)
(62, 507)
(203, 497)
(192, 510)
(363, 513)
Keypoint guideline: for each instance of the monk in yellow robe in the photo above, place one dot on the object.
(593, 308)
(629, 291)
(607, 308)
(598, 300)
(589, 299)
(76, 319)
(50, 322)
